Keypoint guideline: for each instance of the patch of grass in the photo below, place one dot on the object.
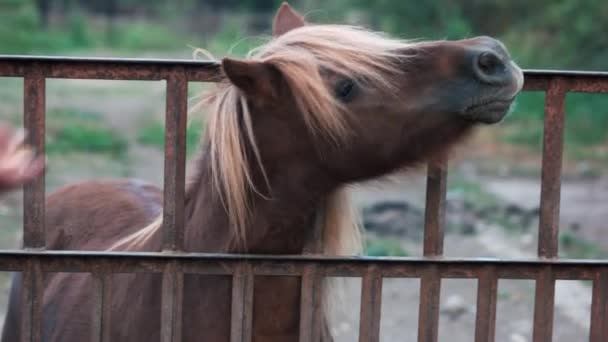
(385, 247)
(153, 134)
(573, 246)
(471, 191)
(142, 35)
(71, 130)
(585, 126)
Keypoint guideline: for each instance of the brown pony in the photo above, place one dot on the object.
(315, 109)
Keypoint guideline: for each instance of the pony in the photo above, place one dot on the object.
(315, 109)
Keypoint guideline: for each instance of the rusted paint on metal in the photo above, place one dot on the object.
(176, 118)
(371, 306)
(314, 241)
(555, 102)
(599, 308)
(225, 264)
(34, 122)
(434, 216)
(311, 305)
(487, 288)
(102, 298)
(110, 68)
(172, 299)
(544, 299)
(31, 299)
(428, 313)
(242, 304)
(578, 81)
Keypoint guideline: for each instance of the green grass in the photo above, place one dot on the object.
(470, 191)
(75, 131)
(385, 247)
(153, 134)
(573, 246)
(586, 124)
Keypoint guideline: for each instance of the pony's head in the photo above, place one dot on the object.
(351, 103)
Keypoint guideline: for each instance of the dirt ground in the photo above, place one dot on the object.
(124, 104)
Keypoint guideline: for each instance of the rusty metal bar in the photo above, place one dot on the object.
(109, 68)
(314, 242)
(311, 310)
(487, 289)
(544, 308)
(434, 216)
(430, 295)
(33, 194)
(102, 306)
(242, 304)
(578, 81)
(552, 169)
(175, 161)
(371, 306)
(434, 222)
(31, 303)
(599, 308)
(218, 264)
(172, 299)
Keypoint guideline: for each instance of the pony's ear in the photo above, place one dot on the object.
(286, 20)
(255, 78)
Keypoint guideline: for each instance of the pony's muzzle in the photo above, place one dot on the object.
(497, 77)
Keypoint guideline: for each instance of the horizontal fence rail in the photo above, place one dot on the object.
(33, 261)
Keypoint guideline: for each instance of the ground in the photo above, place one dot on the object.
(125, 108)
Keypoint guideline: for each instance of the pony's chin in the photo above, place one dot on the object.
(488, 113)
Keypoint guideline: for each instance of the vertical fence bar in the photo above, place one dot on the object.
(311, 305)
(544, 299)
(314, 241)
(34, 122)
(553, 143)
(31, 299)
(430, 283)
(242, 304)
(487, 288)
(33, 201)
(434, 215)
(371, 306)
(175, 160)
(599, 308)
(102, 305)
(172, 299)
(430, 292)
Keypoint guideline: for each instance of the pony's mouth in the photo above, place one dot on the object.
(488, 112)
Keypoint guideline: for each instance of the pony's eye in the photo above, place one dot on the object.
(345, 90)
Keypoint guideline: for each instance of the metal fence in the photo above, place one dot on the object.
(33, 261)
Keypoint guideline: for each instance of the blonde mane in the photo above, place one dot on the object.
(301, 55)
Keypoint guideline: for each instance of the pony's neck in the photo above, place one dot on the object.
(280, 224)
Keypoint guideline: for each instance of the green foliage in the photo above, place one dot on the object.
(231, 40)
(72, 131)
(586, 122)
(572, 246)
(385, 247)
(141, 36)
(153, 134)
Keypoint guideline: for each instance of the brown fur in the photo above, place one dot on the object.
(278, 144)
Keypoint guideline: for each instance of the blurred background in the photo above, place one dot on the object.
(115, 129)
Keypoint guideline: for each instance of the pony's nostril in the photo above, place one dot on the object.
(489, 67)
(488, 62)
